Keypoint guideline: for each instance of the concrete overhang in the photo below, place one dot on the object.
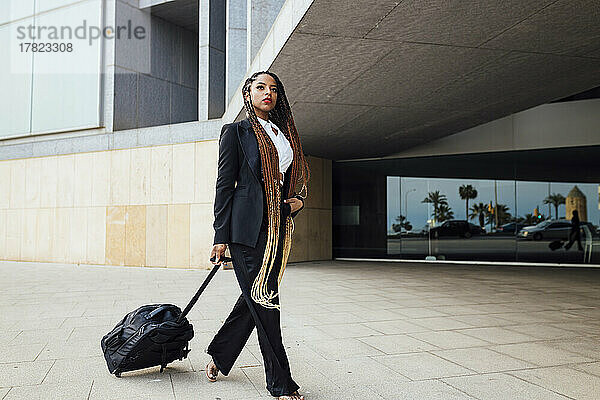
(374, 78)
(180, 12)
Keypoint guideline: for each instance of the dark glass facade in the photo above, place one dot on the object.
(504, 206)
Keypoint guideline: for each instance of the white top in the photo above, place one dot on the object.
(284, 149)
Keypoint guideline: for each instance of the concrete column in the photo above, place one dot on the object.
(261, 15)
(211, 62)
(236, 46)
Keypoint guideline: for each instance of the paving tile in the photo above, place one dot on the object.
(563, 380)
(482, 321)
(492, 308)
(540, 354)
(395, 327)
(542, 331)
(586, 346)
(32, 323)
(591, 368)
(441, 323)
(65, 390)
(417, 366)
(497, 335)
(455, 310)
(64, 350)
(307, 333)
(340, 331)
(449, 339)
(196, 386)
(40, 336)
(357, 372)
(313, 384)
(343, 348)
(382, 305)
(376, 315)
(319, 309)
(397, 344)
(296, 351)
(560, 315)
(24, 373)
(15, 353)
(7, 336)
(501, 387)
(3, 392)
(256, 375)
(336, 318)
(85, 369)
(444, 298)
(418, 312)
(355, 393)
(416, 302)
(143, 384)
(482, 360)
(88, 321)
(81, 333)
(529, 317)
(420, 390)
(581, 328)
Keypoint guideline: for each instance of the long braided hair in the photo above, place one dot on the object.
(299, 172)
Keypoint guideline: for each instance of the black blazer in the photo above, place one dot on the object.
(239, 209)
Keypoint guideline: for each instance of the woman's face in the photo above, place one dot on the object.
(263, 93)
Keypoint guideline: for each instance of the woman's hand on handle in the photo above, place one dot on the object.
(218, 252)
(294, 203)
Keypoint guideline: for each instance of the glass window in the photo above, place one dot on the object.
(50, 67)
(15, 81)
(456, 213)
(13, 10)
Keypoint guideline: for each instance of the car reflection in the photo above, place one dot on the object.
(509, 229)
(456, 228)
(557, 229)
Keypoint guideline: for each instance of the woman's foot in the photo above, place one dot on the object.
(293, 396)
(212, 371)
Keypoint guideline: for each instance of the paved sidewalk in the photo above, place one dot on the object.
(352, 330)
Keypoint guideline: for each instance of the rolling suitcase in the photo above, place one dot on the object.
(556, 244)
(151, 335)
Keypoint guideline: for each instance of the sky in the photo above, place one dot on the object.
(521, 197)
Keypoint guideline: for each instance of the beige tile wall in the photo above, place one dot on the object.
(150, 206)
(313, 225)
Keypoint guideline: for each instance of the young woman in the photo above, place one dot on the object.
(263, 154)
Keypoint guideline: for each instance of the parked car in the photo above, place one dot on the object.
(424, 231)
(510, 229)
(555, 229)
(456, 228)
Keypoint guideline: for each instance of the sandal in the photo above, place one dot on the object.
(294, 395)
(212, 376)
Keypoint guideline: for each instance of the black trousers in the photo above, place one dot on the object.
(228, 343)
(574, 236)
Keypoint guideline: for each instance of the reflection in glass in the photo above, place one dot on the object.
(477, 219)
(547, 213)
(451, 208)
(458, 218)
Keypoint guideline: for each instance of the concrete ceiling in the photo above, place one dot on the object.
(181, 12)
(370, 78)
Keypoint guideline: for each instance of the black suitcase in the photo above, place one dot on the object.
(556, 244)
(151, 335)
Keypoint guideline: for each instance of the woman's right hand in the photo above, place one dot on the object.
(218, 251)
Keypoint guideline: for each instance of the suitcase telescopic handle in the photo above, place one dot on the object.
(201, 289)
